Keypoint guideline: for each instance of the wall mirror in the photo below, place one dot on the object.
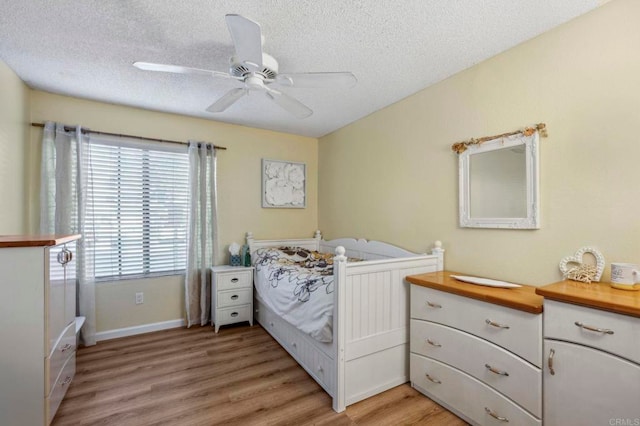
(499, 184)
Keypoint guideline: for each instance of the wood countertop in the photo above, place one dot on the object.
(595, 295)
(35, 240)
(521, 298)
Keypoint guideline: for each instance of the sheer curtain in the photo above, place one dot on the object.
(63, 196)
(202, 233)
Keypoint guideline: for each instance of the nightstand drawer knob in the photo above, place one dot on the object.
(234, 280)
(234, 297)
(234, 314)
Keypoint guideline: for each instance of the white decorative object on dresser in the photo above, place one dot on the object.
(477, 350)
(231, 295)
(38, 323)
(592, 366)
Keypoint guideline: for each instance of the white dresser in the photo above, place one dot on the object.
(477, 350)
(231, 295)
(37, 326)
(592, 354)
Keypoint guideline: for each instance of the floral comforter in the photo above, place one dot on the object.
(297, 284)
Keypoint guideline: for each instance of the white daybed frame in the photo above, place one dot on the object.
(369, 352)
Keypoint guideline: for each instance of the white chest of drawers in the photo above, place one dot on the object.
(479, 359)
(37, 326)
(592, 365)
(231, 295)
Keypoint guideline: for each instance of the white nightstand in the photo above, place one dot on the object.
(231, 295)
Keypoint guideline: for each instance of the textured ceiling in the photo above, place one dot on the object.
(85, 48)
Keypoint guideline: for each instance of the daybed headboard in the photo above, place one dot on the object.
(361, 249)
(367, 250)
(308, 243)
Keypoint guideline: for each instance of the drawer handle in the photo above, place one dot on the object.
(234, 280)
(591, 328)
(495, 416)
(496, 371)
(271, 323)
(496, 324)
(432, 343)
(234, 314)
(66, 347)
(234, 297)
(66, 381)
(433, 305)
(431, 379)
(320, 369)
(294, 345)
(552, 352)
(61, 256)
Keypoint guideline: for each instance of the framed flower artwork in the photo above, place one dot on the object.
(283, 184)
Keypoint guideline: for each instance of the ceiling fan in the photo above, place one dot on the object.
(258, 71)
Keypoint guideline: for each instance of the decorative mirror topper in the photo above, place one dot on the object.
(283, 184)
(580, 271)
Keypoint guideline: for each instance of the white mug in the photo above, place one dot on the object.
(625, 275)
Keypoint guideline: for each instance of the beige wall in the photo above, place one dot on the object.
(239, 188)
(392, 176)
(14, 134)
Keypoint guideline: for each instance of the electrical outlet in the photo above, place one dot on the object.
(139, 298)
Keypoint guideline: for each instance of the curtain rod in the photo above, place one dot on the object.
(71, 128)
(460, 147)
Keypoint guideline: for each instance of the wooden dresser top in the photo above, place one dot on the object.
(594, 295)
(522, 298)
(35, 240)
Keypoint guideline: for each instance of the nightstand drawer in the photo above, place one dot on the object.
(233, 297)
(234, 314)
(233, 280)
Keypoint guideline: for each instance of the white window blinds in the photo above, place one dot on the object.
(137, 207)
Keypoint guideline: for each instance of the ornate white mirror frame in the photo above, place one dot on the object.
(531, 185)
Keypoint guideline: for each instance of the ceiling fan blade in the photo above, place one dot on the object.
(177, 69)
(247, 39)
(288, 103)
(337, 80)
(227, 100)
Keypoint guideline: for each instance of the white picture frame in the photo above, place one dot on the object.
(530, 218)
(284, 184)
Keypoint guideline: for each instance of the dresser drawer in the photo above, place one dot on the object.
(65, 345)
(60, 386)
(312, 355)
(620, 333)
(233, 280)
(465, 395)
(514, 377)
(517, 331)
(234, 297)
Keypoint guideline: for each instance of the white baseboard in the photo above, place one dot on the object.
(139, 329)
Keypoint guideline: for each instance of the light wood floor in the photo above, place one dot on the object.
(239, 376)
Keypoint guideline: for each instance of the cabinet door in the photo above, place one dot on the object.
(588, 387)
(70, 283)
(56, 295)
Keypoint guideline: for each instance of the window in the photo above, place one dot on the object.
(137, 208)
